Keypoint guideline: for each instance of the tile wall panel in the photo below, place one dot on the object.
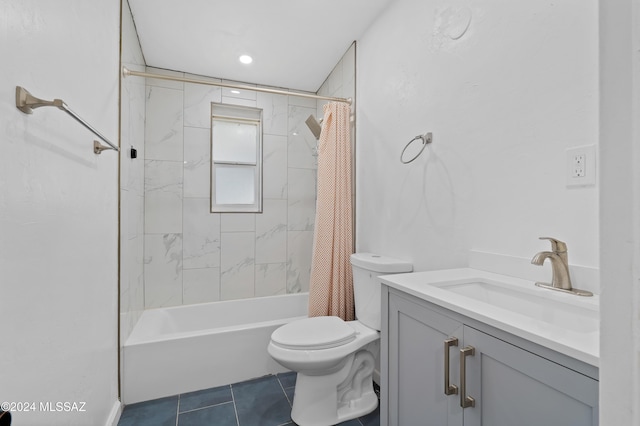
(164, 124)
(201, 235)
(271, 232)
(163, 270)
(163, 197)
(197, 155)
(237, 265)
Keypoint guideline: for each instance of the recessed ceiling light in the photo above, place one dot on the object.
(245, 59)
(235, 92)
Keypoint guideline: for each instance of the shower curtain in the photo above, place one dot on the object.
(331, 285)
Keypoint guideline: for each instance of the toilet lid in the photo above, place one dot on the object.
(314, 333)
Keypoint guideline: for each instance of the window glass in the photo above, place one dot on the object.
(234, 141)
(235, 184)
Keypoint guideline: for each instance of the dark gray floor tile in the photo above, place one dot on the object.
(288, 379)
(157, 412)
(353, 422)
(218, 415)
(205, 398)
(261, 402)
(371, 419)
(289, 392)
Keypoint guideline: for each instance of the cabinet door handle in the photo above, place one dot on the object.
(449, 389)
(465, 401)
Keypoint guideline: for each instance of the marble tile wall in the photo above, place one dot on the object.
(194, 256)
(341, 83)
(342, 80)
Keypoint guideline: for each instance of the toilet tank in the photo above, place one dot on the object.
(367, 288)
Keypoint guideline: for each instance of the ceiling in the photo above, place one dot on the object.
(294, 43)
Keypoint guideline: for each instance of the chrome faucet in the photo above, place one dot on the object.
(561, 280)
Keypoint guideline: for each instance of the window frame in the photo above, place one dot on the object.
(241, 115)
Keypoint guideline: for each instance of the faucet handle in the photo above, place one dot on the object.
(557, 246)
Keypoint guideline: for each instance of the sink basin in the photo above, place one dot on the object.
(561, 311)
(561, 322)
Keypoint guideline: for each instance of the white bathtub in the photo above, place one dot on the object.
(187, 348)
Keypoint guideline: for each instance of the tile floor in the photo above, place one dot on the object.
(260, 402)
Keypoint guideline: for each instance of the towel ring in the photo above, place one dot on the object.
(426, 139)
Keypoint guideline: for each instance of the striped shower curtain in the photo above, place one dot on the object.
(331, 285)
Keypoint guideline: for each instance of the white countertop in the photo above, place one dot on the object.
(565, 336)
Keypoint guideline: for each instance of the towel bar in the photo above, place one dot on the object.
(26, 103)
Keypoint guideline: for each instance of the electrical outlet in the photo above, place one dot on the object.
(581, 166)
(578, 166)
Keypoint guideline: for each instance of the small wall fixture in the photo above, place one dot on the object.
(426, 139)
(26, 103)
(314, 125)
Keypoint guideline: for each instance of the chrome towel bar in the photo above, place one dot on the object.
(26, 103)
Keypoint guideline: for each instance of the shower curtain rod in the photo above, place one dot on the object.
(127, 72)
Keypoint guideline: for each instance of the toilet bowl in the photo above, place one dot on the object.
(335, 359)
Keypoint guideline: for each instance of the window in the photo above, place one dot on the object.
(236, 159)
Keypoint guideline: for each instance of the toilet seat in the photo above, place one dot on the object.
(313, 334)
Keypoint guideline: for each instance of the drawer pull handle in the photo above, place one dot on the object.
(465, 401)
(449, 389)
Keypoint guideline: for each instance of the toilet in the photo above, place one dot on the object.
(335, 359)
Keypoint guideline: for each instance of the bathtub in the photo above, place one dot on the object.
(187, 348)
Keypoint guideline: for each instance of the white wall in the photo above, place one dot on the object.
(620, 212)
(504, 100)
(59, 211)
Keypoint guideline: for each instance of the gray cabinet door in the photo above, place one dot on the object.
(514, 387)
(415, 373)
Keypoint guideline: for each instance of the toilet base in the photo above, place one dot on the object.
(334, 398)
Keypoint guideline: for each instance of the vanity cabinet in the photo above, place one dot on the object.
(509, 385)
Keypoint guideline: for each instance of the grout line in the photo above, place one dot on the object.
(235, 409)
(182, 195)
(178, 410)
(207, 406)
(283, 391)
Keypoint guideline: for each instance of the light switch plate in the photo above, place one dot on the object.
(581, 166)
